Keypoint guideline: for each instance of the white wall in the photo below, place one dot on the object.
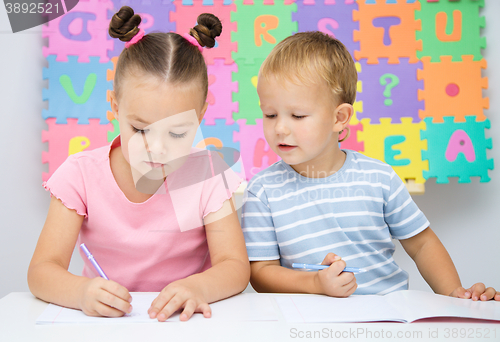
(465, 216)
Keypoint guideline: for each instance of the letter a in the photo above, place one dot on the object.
(460, 143)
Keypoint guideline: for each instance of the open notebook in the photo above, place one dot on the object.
(243, 307)
(401, 306)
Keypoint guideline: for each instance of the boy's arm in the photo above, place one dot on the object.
(270, 276)
(436, 267)
(433, 261)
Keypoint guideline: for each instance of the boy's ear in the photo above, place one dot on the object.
(114, 104)
(343, 114)
(202, 112)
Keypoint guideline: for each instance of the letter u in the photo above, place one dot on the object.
(441, 23)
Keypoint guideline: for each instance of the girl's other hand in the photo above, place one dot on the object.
(332, 281)
(101, 297)
(179, 294)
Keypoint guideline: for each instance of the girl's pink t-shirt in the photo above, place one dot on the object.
(143, 246)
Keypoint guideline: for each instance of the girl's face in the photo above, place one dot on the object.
(158, 123)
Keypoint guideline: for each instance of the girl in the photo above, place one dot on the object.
(118, 200)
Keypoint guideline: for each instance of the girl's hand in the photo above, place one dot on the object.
(101, 297)
(179, 294)
(332, 281)
(478, 291)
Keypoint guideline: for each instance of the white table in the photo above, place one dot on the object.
(19, 311)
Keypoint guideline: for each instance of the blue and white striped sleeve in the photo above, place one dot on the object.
(401, 214)
(258, 227)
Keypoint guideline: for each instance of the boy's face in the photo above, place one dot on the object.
(300, 123)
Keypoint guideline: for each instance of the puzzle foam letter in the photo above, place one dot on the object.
(260, 152)
(147, 21)
(88, 88)
(386, 23)
(442, 21)
(68, 19)
(210, 141)
(263, 24)
(460, 142)
(78, 144)
(391, 153)
(323, 25)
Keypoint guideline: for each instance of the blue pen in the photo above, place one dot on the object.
(322, 267)
(93, 261)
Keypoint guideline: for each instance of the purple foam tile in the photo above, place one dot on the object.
(404, 95)
(334, 19)
(155, 17)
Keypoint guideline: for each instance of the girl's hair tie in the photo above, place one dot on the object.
(193, 41)
(135, 38)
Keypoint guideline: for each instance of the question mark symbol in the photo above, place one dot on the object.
(394, 81)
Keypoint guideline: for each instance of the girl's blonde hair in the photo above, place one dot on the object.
(309, 57)
(167, 56)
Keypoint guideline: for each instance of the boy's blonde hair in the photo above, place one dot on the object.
(309, 57)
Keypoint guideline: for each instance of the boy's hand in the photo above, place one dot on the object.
(179, 294)
(332, 281)
(478, 291)
(101, 297)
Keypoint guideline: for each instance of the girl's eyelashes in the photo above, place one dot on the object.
(298, 116)
(137, 130)
(172, 134)
(177, 136)
(270, 116)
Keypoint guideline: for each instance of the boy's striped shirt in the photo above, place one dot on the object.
(353, 213)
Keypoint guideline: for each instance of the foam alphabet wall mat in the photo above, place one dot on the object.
(419, 105)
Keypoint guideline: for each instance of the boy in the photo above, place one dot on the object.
(320, 202)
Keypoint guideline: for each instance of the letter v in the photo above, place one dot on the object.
(90, 82)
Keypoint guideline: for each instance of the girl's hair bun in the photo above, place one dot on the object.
(124, 24)
(209, 27)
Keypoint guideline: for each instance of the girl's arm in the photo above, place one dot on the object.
(48, 276)
(229, 274)
(230, 271)
(435, 265)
